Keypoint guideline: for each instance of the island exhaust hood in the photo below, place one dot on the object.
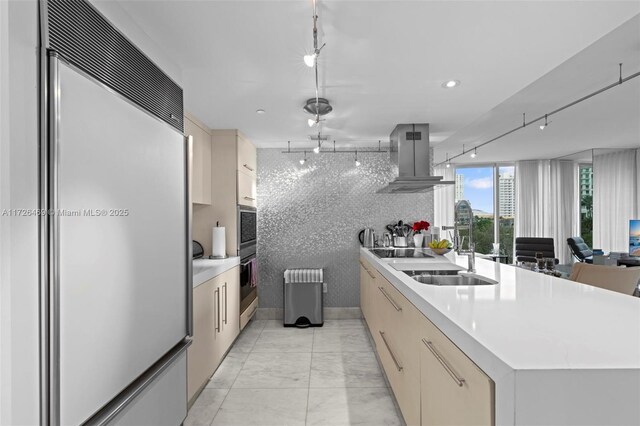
(409, 150)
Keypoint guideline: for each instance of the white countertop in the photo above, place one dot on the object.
(529, 321)
(205, 269)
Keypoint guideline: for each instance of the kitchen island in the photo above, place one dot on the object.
(553, 351)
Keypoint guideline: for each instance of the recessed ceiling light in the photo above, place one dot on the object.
(260, 111)
(451, 84)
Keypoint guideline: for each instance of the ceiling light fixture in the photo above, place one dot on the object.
(474, 154)
(311, 59)
(260, 111)
(451, 84)
(316, 150)
(448, 165)
(357, 162)
(544, 126)
(314, 121)
(303, 160)
(317, 106)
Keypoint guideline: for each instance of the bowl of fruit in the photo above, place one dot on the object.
(440, 246)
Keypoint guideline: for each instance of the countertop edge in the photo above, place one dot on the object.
(219, 267)
(486, 360)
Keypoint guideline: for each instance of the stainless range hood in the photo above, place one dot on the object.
(409, 150)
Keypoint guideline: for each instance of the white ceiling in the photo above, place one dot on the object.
(610, 119)
(383, 64)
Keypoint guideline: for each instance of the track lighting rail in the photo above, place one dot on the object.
(545, 117)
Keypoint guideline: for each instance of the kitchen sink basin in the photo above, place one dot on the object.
(433, 279)
(423, 272)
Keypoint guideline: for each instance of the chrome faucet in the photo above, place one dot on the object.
(471, 253)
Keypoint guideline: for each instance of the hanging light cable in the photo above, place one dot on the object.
(317, 106)
(311, 59)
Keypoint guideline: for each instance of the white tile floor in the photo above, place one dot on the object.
(287, 376)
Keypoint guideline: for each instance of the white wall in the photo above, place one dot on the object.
(18, 235)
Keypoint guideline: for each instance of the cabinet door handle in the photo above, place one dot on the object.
(247, 167)
(368, 271)
(365, 268)
(393, 357)
(218, 309)
(225, 303)
(398, 308)
(459, 381)
(249, 198)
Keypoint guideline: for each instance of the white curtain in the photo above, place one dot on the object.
(533, 199)
(616, 198)
(565, 206)
(444, 198)
(547, 202)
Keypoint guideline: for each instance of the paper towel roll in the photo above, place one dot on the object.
(218, 242)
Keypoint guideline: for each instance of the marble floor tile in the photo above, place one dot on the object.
(205, 408)
(346, 323)
(351, 406)
(273, 325)
(286, 340)
(228, 370)
(275, 370)
(246, 340)
(346, 369)
(265, 407)
(341, 340)
(255, 325)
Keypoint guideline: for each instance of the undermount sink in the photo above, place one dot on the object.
(434, 278)
(429, 272)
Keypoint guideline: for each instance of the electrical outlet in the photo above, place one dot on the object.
(324, 287)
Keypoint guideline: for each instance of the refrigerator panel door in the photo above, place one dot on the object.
(122, 243)
(163, 403)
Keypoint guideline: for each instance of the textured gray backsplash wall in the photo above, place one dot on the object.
(309, 216)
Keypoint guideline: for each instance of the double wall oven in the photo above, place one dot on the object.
(247, 240)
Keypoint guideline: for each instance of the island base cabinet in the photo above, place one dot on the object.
(390, 313)
(454, 391)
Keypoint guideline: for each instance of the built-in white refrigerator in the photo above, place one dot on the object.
(115, 253)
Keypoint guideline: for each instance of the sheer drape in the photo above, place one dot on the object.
(547, 202)
(616, 198)
(565, 206)
(532, 199)
(444, 198)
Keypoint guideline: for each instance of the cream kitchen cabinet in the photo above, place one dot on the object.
(216, 317)
(395, 339)
(246, 189)
(454, 391)
(200, 160)
(247, 158)
(406, 343)
(234, 184)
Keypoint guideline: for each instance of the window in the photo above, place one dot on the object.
(586, 203)
(507, 210)
(488, 192)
